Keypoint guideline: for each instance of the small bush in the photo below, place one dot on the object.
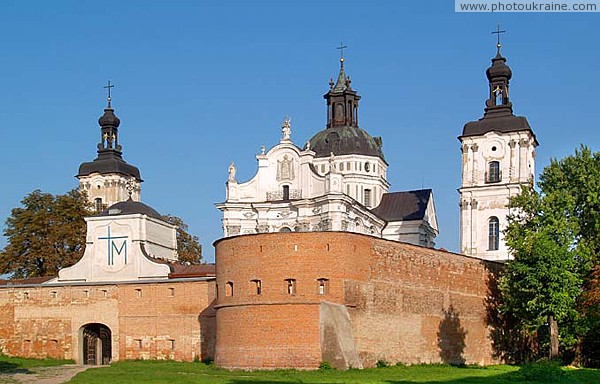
(542, 371)
(208, 361)
(382, 364)
(325, 366)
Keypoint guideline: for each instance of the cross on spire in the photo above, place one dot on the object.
(341, 48)
(497, 32)
(109, 86)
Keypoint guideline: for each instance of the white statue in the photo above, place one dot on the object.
(262, 149)
(286, 129)
(232, 171)
(332, 163)
(308, 145)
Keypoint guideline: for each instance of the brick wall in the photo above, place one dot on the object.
(406, 303)
(160, 320)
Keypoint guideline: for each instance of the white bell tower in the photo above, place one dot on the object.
(498, 156)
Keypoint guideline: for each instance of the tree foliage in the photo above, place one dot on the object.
(44, 235)
(554, 237)
(48, 233)
(189, 248)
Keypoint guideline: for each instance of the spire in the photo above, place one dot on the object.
(499, 75)
(342, 81)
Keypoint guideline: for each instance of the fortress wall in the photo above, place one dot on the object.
(147, 320)
(406, 303)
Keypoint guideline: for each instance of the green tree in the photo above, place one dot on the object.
(189, 248)
(44, 235)
(554, 237)
(48, 233)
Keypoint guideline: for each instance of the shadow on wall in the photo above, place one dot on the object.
(451, 338)
(510, 343)
(208, 330)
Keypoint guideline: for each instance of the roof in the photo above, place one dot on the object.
(129, 207)
(30, 280)
(403, 206)
(191, 270)
(503, 124)
(104, 164)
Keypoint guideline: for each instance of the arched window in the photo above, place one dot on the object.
(257, 286)
(323, 286)
(291, 286)
(229, 289)
(493, 233)
(494, 175)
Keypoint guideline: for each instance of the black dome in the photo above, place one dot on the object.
(345, 140)
(129, 207)
(498, 69)
(109, 118)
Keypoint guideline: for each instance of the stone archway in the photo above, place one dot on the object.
(96, 344)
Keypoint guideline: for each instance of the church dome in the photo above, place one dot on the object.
(345, 140)
(498, 68)
(109, 118)
(129, 207)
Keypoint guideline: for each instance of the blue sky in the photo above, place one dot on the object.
(201, 84)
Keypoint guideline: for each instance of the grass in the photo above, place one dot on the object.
(173, 372)
(19, 364)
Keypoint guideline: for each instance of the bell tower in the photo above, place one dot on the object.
(342, 100)
(108, 179)
(498, 156)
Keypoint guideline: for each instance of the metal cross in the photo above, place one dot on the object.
(341, 48)
(109, 86)
(498, 32)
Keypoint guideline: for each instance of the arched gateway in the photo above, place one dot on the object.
(96, 348)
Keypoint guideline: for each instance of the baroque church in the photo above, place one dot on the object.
(335, 182)
(319, 261)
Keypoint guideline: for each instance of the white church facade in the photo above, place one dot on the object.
(336, 182)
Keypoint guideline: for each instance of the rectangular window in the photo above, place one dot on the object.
(171, 292)
(368, 198)
(138, 293)
(138, 343)
(172, 344)
(54, 294)
(494, 175)
(104, 293)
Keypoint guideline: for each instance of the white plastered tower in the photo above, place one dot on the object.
(498, 157)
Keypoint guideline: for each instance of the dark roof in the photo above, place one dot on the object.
(106, 163)
(192, 270)
(345, 140)
(409, 205)
(130, 207)
(503, 124)
(30, 280)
